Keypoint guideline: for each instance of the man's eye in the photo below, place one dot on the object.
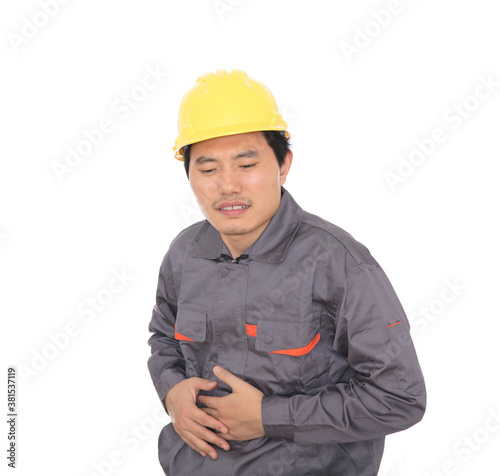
(206, 171)
(248, 166)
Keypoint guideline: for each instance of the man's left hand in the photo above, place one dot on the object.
(240, 411)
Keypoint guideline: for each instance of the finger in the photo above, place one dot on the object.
(227, 377)
(198, 437)
(189, 413)
(202, 384)
(208, 401)
(206, 420)
(199, 445)
(213, 413)
(228, 437)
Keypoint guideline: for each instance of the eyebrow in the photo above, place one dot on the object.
(204, 159)
(246, 153)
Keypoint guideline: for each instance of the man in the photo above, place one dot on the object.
(279, 346)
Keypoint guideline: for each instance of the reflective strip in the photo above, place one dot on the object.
(390, 325)
(301, 350)
(181, 337)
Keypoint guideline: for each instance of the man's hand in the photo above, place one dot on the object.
(192, 423)
(240, 411)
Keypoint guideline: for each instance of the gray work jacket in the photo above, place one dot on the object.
(307, 316)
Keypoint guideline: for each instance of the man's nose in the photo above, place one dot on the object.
(229, 182)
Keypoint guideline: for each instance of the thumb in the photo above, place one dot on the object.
(208, 384)
(198, 384)
(227, 377)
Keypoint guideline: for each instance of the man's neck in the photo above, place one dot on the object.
(237, 246)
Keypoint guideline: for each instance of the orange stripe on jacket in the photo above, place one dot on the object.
(390, 325)
(181, 337)
(301, 350)
(252, 331)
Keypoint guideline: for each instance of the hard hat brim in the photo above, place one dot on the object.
(179, 149)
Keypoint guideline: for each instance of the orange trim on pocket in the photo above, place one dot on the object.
(301, 350)
(181, 337)
(251, 330)
(390, 325)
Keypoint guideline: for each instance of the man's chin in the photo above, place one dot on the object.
(233, 231)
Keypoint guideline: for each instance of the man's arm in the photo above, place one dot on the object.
(387, 393)
(166, 364)
(167, 369)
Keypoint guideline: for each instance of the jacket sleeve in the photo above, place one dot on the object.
(166, 364)
(387, 392)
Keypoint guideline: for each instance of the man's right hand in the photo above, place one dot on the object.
(190, 422)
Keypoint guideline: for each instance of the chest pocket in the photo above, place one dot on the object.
(191, 332)
(285, 337)
(191, 326)
(289, 354)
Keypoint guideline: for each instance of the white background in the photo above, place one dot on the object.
(353, 112)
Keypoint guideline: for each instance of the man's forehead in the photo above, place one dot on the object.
(234, 146)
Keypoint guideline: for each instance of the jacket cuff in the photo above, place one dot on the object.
(276, 417)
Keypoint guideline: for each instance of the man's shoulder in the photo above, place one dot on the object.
(336, 238)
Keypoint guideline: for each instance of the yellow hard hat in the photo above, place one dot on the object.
(222, 104)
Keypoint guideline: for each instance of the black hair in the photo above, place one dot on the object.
(277, 140)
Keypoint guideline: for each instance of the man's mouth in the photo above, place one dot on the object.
(233, 208)
(237, 207)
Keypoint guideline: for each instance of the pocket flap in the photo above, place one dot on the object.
(191, 326)
(284, 337)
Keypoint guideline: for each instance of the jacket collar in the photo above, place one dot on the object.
(271, 245)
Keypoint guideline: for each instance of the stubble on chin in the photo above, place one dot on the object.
(233, 231)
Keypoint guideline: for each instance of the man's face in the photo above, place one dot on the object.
(236, 180)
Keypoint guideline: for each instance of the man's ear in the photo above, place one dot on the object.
(285, 168)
